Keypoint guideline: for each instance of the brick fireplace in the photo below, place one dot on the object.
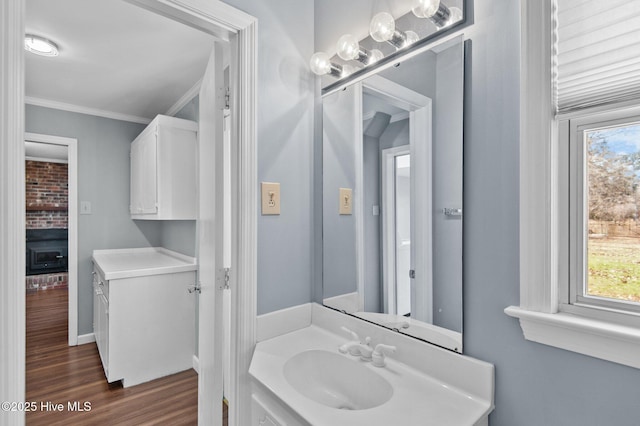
(46, 208)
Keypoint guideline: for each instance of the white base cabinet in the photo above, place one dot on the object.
(268, 410)
(144, 325)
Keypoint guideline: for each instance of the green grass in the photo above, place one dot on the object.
(614, 268)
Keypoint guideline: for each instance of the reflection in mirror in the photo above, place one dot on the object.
(395, 140)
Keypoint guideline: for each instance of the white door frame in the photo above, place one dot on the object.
(72, 259)
(389, 155)
(420, 122)
(217, 18)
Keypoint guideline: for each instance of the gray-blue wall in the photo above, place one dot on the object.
(103, 179)
(285, 148)
(535, 384)
(339, 157)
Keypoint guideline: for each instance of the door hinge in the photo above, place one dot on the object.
(224, 278)
(227, 98)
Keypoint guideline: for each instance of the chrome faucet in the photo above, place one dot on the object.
(379, 353)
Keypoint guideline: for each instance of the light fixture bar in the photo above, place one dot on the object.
(441, 16)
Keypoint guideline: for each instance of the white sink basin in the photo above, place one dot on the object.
(336, 381)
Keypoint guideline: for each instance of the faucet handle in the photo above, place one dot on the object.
(365, 349)
(352, 347)
(353, 334)
(379, 353)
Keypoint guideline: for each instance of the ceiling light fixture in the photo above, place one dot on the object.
(40, 46)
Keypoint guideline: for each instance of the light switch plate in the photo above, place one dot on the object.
(270, 198)
(346, 201)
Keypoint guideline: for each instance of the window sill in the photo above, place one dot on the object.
(596, 338)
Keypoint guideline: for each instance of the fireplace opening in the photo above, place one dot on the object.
(47, 251)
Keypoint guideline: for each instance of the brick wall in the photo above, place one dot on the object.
(47, 203)
(47, 195)
(47, 281)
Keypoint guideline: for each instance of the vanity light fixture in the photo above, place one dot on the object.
(441, 15)
(348, 48)
(383, 28)
(40, 46)
(321, 64)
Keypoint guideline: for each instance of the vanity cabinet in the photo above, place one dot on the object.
(267, 410)
(163, 170)
(143, 313)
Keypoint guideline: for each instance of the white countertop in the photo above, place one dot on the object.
(417, 398)
(139, 262)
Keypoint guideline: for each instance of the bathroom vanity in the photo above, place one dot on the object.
(143, 313)
(300, 377)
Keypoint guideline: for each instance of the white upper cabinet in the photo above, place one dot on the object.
(163, 170)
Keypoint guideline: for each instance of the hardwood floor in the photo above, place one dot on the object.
(59, 374)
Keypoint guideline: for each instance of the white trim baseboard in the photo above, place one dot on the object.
(83, 339)
(47, 103)
(196, 364)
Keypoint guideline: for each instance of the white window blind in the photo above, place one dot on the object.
(598, 52)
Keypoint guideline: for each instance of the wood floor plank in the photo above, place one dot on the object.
(60, 374)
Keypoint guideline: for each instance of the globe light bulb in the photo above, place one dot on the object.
(412, 37)
(425, 8)
(320, 63)
(382, 27)
(375, 56)
(348, 47)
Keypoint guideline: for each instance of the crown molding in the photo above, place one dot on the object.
(47, 103)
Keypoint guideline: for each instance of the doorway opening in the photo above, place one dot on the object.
(218, 19)
(396, 225)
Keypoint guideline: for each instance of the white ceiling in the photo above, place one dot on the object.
(114, 57)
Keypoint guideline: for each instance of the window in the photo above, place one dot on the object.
(598, 93)
(603, 172)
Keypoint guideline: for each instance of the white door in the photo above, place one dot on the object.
(210, 240)
(421, 215)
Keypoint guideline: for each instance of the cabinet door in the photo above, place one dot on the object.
(144, 179)
(103, 346)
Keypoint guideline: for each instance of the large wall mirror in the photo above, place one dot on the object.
(392, 196)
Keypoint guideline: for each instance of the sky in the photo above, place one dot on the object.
(621, 140)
